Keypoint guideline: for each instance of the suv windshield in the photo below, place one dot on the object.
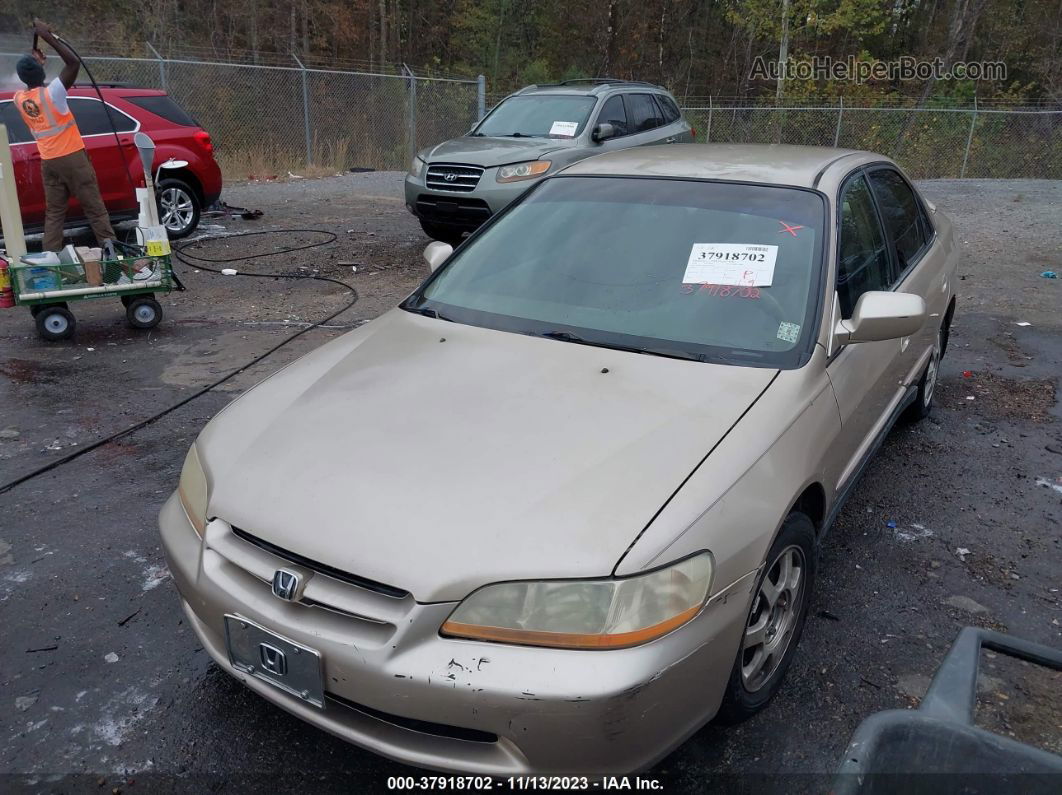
(704, 270)
(554, 116)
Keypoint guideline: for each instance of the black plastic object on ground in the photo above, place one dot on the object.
(936, 749)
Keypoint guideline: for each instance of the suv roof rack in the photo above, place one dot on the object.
(594, 82)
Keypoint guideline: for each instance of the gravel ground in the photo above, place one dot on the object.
(103, 685)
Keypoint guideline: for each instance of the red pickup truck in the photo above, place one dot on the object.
(182, 192)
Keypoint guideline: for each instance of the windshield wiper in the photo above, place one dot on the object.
(517, 135)
(429, 312)
(567, 336)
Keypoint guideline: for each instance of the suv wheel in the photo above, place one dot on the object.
(775, 621)
(442, 232)
(179, 207)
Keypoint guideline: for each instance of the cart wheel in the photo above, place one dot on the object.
(55, 323)
(143, 312)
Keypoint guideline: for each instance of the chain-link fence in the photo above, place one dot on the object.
(930, 142)
(268, 119)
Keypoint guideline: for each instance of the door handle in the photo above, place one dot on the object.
(670, 140)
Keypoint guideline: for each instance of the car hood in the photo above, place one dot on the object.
(489, 152)
(437, 457)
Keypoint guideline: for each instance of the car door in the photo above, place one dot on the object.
(108, 160)
(866, 377)
(920, 265)
(26, 161)
(613, 112)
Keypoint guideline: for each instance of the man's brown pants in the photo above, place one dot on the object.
(66, 176)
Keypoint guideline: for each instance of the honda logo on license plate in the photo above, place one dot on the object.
(273, 659)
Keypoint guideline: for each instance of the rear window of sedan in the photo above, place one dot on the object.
(694, 269)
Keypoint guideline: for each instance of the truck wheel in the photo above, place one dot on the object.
(143, 312)
(55, 323)
(442, 232)
(775, 621)
(179, 207)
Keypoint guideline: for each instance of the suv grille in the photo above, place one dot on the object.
(460, 179)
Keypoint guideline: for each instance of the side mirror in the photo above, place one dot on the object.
(603, 132)
(437, 253)
(881, 316)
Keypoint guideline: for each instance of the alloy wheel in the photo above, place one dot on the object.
(177, 209)
(931, 374)
(774, 615)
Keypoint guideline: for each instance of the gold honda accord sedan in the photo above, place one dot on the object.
(563, 505)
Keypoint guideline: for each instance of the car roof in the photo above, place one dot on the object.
(107, 89)
(772, 164)
(590, 87)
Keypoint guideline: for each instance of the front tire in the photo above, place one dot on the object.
(927, 386)
(179, 207)
(55, 323)
(143, 312)
(775, 621)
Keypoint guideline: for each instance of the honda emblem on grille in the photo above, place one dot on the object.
(450, 176)
(273, 659)
(285, 584)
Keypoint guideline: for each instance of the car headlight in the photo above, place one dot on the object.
(519, 171)
(586, 614)
(416, 168)
(193, 491)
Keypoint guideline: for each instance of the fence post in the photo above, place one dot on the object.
(708, 132)
(411, 131)
(837, 132)
(481, 96)
(162, 66)
(305, 111)
(969, 139)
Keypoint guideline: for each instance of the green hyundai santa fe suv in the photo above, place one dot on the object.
(455, 186)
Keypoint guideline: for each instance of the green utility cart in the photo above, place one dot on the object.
(48, 290)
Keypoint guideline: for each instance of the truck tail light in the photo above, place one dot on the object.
(202, 137)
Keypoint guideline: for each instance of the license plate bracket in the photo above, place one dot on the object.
(283, 663)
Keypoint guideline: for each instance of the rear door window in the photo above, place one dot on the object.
(614, 114)
(642, 113)
(17, 131)
(863, 261)
(669, 108)
(91, 117)
(166, 108)
(902, 215)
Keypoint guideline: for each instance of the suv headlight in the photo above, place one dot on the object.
(416, 168)
(586, 614)
(519, 171)
(193, 491)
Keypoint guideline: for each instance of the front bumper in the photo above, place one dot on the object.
(462, 209)
(395, 686)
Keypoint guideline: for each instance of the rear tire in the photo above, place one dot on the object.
(179, 207)
(772, 629)
(442, 232)
(55, 323)
(143, 312)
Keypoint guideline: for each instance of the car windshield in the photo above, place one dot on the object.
(549, 116)
(692, 269)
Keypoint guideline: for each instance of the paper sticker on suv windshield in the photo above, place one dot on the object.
(740, 264)
(788, 332)
(566, 128)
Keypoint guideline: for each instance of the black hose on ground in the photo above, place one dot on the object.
(181, 254)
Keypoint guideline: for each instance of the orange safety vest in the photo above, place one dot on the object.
(56, 133)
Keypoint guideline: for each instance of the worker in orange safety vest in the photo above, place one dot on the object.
(65, 166)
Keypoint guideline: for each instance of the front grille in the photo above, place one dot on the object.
(459, 179)
(464, 211)
(422, 726)
(321, 568)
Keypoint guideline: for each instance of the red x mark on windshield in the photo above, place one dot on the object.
(790, 229)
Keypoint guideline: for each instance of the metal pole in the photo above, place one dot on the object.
(481, 96)
(837, 132)
(708, 133)
(411, 131)
(305, 111)
(162, 66)
(969, 139)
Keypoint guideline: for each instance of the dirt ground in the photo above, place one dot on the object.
(104, 688)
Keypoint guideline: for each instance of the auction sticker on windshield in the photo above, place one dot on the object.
(565, 128)
(736, 264)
